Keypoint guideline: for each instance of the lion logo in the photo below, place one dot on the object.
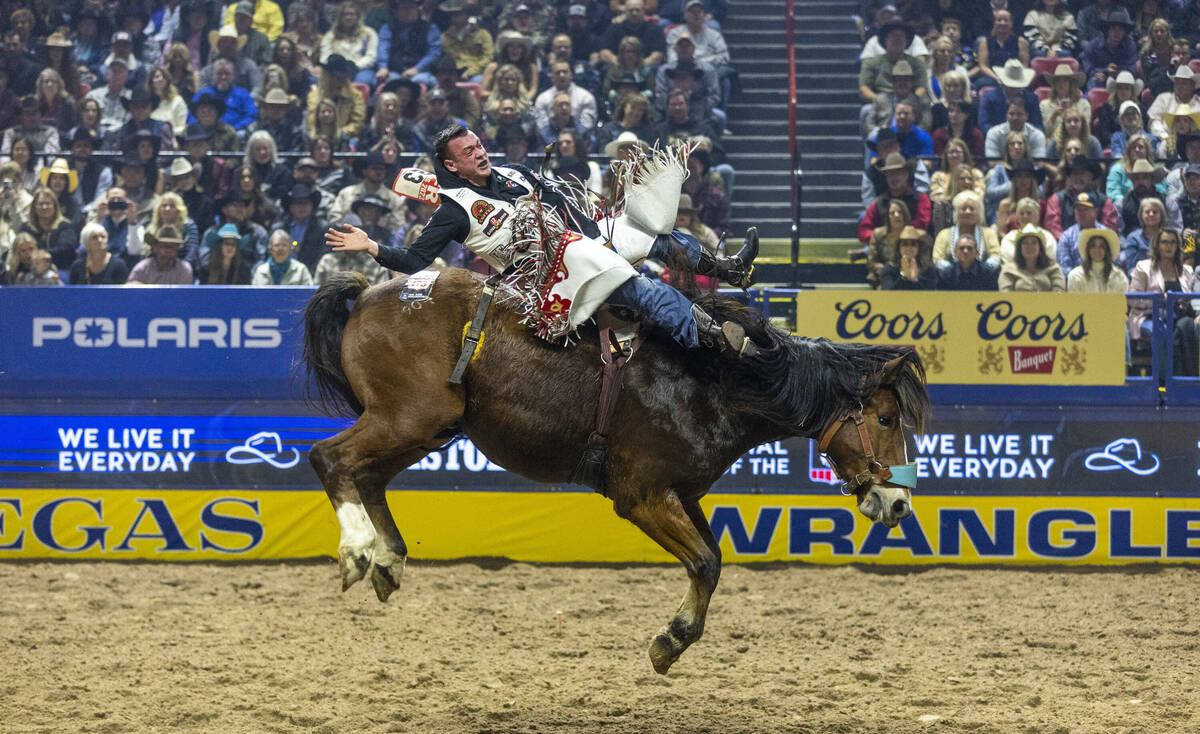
(1074, 360)
(934, 358)
(991, 360)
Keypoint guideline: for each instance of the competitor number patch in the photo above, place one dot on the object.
(418, 285)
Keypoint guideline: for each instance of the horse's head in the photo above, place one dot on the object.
(866, 447)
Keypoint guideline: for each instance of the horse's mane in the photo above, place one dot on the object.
(802, 384)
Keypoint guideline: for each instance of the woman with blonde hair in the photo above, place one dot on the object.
(942, 63)
(353, 40)
(389, 124)
(630, 62)
(1152, 215)
(1118, 183)
(181, 72)
(1028, 213)
(20, 258)
(968, 219)
(172, 108)
(1073, 125)
(1184, 121)
(999, 179)
(956, 153)
(1155, 49)
(171, 211)
(50, 229)
(54, 104)
(512, 47)
(507, 83)
(1066, 94)
(961, 178)
(335, 86)
(1031, 269)
(323, 124)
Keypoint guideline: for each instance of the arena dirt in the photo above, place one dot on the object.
(105, 647)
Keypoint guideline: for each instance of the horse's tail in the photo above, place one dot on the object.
(324, 323)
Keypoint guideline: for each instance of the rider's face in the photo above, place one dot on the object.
(466, 156)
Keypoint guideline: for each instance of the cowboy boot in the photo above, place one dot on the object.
(738, 270)
(729, 336)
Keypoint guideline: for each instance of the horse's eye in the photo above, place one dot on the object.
(886, 421)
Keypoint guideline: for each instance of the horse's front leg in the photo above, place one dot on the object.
(331, 458)
(681, 528)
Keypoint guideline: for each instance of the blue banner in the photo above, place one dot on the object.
(153, 343)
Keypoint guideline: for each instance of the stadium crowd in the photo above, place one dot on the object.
(1034, 145)
(182, 141)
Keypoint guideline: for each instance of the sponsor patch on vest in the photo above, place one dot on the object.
(480, 209)
(418, 285)
(495, 222)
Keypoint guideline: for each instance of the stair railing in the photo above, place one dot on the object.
(796, 175)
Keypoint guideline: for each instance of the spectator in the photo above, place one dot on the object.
(55, 106)
(139, 190)
(632, 115)
(954, 154)
(968, 219)
(50, 230)
(1050, 31)
(19, 264)
(297, 68)
(1025, 180)
(1119, 183)
(1014, 83)
(654, 42)
(1185, 20)
(1065, 95)
(560, 121)
(374, 183)
(1097, 272)
(913, 270)
(632, 70)
(281, 268)
(709, 43)
(336, 85)
(509, 86)
(353, 41)
(112, 97)
(125, 234)
(1067, 247)
(1129, 126)
(252, 238)
(59, 58)
(1060, 211)
(212, 177)
(41, 138)
(389, 124)
(263, 157)
(1188, 201)
(1164, 271)
(515, 141)
(1017, 122)
(252, 43)
(1182, 123)
(281, 118)
(875, 76)
(465, 41)
(305, 229)
(705, 192)
(22, 154)
(960, 125)
(898, 172)
(91, 38)
(960, 178)
(1152, 216)
(1028, 213)
(96, 266)
(679, 124)
(1159, 55)
(371, 210)
(226, 264)
(163, 266)
(260, 209)
(267, 18)
(994, 51)
(1106, 56)
(687, 222)
(587, 38)
(1182, 93)
(699, 84)
(536, 20)
(64, 182)
(331, 175)
(1146, 180)
(885, 240)
(94, 177)
(436, 117)
(171, 211)
(41, 273)
(571, 155)
(885, 16)
(512, 49)
(461, 103)
(244, 72)
(181, 71)
(883, 107)
(943, 63)
(304, 27)
(1074, 126)
(122, 52)
(239, 109)
(968, 272)
(408, 45)
(305, 172)
(1031, 269)
(346, 261)
(324, 125)
(140, 104)
(583, 104)
(999, 178)
(172, 108)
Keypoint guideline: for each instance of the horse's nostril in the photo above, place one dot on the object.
(900, 507)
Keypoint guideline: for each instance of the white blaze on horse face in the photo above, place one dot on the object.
(886, 504)
(358, 534)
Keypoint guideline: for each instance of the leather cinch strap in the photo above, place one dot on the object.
(474, 330)
(590, 469)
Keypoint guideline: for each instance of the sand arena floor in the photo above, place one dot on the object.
(107, 647)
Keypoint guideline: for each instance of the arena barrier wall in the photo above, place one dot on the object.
(196, 449)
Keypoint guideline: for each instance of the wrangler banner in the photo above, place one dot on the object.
(190, 525)
(983, 338)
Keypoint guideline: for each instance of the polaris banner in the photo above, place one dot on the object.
(163, 342)
(1129, 452)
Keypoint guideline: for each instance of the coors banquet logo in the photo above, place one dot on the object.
(1031, 360)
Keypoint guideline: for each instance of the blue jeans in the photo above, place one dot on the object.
(665, 244)
(660, 304)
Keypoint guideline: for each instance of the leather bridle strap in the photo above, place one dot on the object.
(874, 469)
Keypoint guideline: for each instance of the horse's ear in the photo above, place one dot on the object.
(892, 369)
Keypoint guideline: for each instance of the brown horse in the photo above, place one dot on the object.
(681, 419)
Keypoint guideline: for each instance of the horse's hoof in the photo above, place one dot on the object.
(386, 579)
(664, 651)
(354, 566)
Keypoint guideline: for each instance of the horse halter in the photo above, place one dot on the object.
(904, 475)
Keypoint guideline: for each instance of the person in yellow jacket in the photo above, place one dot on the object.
(337, 73)
(467, 42)
(268, 18)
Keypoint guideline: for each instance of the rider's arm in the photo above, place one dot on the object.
(448, 224)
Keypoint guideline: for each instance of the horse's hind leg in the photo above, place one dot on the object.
(681, 528)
